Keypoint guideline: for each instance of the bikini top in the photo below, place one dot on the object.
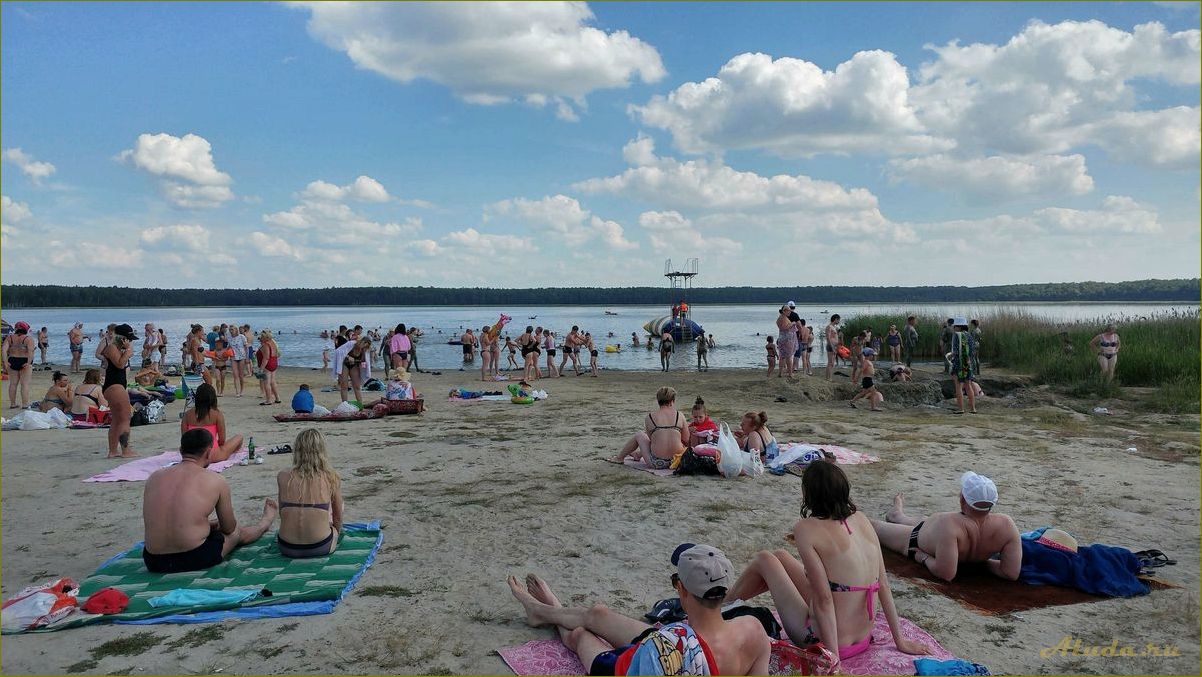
(656, 427)
(319, 506)
(839, 587)
(1108, 344)
(88, 395)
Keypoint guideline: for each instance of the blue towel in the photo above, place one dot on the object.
(931, 666)
(1097, 569)
(191, 598)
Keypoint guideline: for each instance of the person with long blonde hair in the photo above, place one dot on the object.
(310, 496)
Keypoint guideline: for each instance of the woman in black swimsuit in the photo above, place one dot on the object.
(117, 356)
(666, 347)
(18, 361)
(528, 347)
(310, 500)
(88, 395)
(655, 445)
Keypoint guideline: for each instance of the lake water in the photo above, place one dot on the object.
(738, 329)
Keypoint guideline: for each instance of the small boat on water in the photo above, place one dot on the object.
(532, 317)
(610, 312)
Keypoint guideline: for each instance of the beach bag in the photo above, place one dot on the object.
(789, 659)
(139, 416)
(40, 605)
(399, 390)
(154, 412)
(692, 463)
(730, 463)
(374, 385)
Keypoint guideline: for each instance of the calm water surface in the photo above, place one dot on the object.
(738, 329)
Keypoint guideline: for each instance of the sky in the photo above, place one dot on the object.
(569, 144)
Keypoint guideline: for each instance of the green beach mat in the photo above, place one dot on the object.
(298, 586)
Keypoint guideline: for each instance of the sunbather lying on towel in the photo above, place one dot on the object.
(945, 539)
(705, 644)
(176, 506)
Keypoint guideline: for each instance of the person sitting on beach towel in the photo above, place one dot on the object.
(310, 500)
(176, 506)
(945, 539)
(206, 416)
(664, 435)
(705, 644)
(833, 540)
(702, 429)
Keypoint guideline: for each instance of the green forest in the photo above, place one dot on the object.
(56, 296)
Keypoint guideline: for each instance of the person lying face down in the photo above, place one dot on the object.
(705, 644)
(945, 539)
(176, 505)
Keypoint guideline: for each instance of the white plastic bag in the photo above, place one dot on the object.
(345, 408)
(154, 411)
(731, 462)
(319, 410)
(36, 420)
(40, 605)
(753, 465)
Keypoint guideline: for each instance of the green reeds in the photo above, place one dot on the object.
(1159, 351)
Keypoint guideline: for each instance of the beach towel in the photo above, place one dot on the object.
(551, 657)
(1097, 569)
(139, 469)
(977, 589)
(298, 587)
(363, 415)
(641, 465)
(482, 398)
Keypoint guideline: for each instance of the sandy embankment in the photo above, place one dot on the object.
(469, 493)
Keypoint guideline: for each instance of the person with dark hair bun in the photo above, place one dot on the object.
(831, 537)
(753, 435)
(702, 429)
(60, 394)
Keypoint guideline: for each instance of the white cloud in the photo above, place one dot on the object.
(1166, 138)
(186, 236)
(95, 255)
(1051, 87)
(671, 232)
(788, 106)
(702, 184)
(32, 168)
(997, 178)
(190, 178)
(564, 219)
(335, 224)
(13, 211)
(474, 241)
(489, 52)
(275, 247)
(1119, 214)
(363, 188)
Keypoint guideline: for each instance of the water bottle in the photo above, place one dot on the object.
(251, 447)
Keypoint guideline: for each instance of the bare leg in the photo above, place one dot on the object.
(223, 452)
(26, 375)
(248, 535)
(972, 396)
(897, 514)
(781, 575)
(597, 619)
(641, 443)
(959, 394)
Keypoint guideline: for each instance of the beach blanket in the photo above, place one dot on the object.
(1097, 569)
(977, 589)
(363, 415)
(139, 469)
(298, 587)
(482, 398)
(641, 465)
(551, 657)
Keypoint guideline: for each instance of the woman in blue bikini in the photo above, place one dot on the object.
(831, 536)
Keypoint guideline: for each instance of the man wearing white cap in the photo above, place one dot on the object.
(945, 539)
(704, 644)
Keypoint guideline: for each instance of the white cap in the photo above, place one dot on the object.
(791, 304)
(960, 322)
(977, 490)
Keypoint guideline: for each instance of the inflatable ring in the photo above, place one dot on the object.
(613, 349)
(522, 400)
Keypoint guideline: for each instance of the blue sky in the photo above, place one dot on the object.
(572, 144)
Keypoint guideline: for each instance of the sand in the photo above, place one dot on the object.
(469, 493)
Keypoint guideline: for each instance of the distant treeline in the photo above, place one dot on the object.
(56, 296)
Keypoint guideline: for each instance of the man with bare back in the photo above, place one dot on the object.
(945, 539)
(832, 346)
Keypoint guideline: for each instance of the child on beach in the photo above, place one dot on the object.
(771, 348)
(702, 429)
(866, 370)
(302, 401)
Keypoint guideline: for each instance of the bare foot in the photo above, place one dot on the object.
(539, 589)
(113, 456)
(270, 510)
(896, 512)
(531, 605)
(128, 453)
(618, 461)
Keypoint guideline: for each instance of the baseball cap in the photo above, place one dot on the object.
(978, 489)
(21, 326)
(791, 304)
(703, 569)
(125, 331)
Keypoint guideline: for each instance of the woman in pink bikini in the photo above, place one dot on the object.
(831, 536)
(206, 415)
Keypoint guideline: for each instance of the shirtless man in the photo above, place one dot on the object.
(176, 505)
(945, 539)
(832, 346)
(703, 575)
(805, 340)
(75, 338)
(571, 348)
(468, 341)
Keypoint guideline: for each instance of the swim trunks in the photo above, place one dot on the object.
(866, 382)
(913, 546)
(203, 556)
(17, 363)
(467, 349)
(606, 661)
(77, 347)
(550, 352)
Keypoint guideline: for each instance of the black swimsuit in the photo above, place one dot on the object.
(113, 376)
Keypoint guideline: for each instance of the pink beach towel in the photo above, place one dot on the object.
(139, 469)
(551, 657)
(641, 465)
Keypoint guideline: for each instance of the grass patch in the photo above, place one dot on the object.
(368, 470)
(270, 651)
(1179, 396)
(287, 627)
(82, 666)
(386, 591)
(198, 637)
(134, 645)
(402, 433)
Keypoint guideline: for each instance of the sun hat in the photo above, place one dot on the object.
(703, 570)
(977, 489)
(1059, 540)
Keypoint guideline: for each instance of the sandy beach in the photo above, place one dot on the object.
(470, 493)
